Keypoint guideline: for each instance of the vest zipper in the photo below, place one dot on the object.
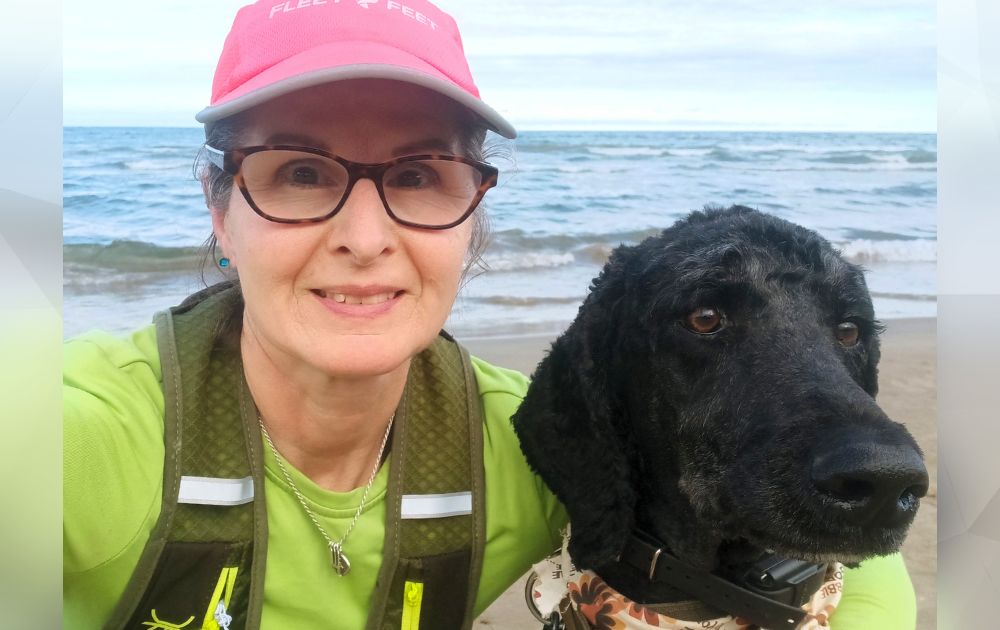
(413, 593)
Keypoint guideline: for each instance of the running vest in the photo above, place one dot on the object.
(203, 566)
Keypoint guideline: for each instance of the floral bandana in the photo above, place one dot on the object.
(607, 609)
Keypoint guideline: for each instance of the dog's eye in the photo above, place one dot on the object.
(705, 320)
(847, 333)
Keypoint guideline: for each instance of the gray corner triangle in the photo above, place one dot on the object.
(32, 228)
(987, 524)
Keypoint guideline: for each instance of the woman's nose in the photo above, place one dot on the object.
(363, 229)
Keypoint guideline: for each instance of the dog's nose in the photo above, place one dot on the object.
(872, 484)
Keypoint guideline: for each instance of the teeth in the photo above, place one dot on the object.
(377, 299)
(357, 299)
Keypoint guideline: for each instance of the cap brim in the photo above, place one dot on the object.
(312, 67)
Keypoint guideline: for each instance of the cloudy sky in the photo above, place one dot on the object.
(865, 65)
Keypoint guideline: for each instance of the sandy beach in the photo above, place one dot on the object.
(907, 393)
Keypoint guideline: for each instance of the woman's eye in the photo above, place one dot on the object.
(412, 176)
(299, 174)
(847, 333)
(305, 175)
(705, 320)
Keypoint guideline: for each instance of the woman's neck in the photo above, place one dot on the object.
(329, 428)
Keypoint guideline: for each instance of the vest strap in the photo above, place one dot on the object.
(435, 511)
(210, 433)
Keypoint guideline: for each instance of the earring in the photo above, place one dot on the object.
(223, 262)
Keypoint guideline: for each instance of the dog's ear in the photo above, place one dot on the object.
(569, 424)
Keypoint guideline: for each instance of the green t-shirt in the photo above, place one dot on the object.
(113, 475)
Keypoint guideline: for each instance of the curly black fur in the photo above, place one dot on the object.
(708, 441)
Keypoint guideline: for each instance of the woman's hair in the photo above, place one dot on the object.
(228, 133)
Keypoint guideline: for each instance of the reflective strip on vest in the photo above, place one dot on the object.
(436, 505)
(215, 491)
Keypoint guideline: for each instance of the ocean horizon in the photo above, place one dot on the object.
(134, 217)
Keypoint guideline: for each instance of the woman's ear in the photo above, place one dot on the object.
(219, 229)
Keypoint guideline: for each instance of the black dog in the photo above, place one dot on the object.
(716, 391)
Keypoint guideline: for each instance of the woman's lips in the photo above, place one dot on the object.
(367, 302)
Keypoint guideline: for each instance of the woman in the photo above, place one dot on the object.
(345, 142)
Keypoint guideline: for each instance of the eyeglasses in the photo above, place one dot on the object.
(291, 184)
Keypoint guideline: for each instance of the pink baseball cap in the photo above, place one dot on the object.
(278, 47)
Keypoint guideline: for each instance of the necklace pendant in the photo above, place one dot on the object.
(339, 559)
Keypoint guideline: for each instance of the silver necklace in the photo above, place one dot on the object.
(337, 556)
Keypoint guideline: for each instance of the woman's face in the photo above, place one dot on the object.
(358, 294)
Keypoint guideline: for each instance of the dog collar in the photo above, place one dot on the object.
(776, 607)
(555, 583)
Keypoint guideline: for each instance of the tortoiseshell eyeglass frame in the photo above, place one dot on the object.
(232, 163)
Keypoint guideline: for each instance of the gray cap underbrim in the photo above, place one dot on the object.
(490, 116)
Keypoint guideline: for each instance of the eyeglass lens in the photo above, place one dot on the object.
(296, 185)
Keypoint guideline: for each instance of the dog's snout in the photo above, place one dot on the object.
(871, 484)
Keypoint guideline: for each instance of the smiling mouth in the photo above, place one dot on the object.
(344, 298)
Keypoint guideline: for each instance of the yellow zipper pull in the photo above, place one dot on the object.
(413, 594)
(217, 617)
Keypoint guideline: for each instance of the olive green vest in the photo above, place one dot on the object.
(207, 552)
